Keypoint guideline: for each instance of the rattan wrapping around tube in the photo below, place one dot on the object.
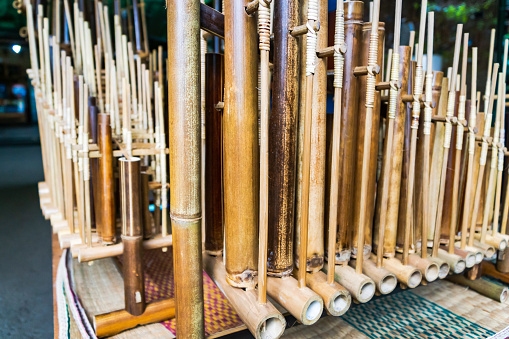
(283, 139)
(184, 145)
(214, 88)
(240, 147)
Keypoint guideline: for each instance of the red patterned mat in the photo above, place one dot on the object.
(219, 315)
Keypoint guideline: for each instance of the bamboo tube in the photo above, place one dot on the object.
(184, 145)
(459, 147)
(482, 161)
(361, 287)
(406, 274)
(112, 323)
(386, 216)
(339, 64)
(349, 107)
(264, 46)
(428, 268)
(487, 90)
(283, 140)
(469, 257)
(99, 252)
(146, 216)
(447, 141)
(34, 64)
(214, 77)
(491, 290)
(384, 280)
(132, 235)
(443, 267)
(372, 163)
(503, 261)
(422, 213)
(471, 151)
(500, 167)
(106, 184)
(488, 251)
(495, 241)
(336, 298)
(456, 262)
(478, 253)
(262, 320)
(240, 147)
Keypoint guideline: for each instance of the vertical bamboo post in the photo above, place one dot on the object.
(447, 140)
(339, 61)
(264, 46)
(391, 116)
(471, 151)
(459, 145)
(490, 65)
(240, 146)
(106, 184)
(184, 144)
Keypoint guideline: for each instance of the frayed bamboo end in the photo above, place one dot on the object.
(304, 304)
(361, 287)
(263, 320)
(406, 274)
(384, 280)
(456, 262)
(336, 298)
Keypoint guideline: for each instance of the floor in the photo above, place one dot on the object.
(26, 300)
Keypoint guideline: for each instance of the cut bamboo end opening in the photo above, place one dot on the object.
(470, 257)
(361, 287)
(303, 303)
(456, 262)
(406, 274)
(443, 267)
(264, 321)
(429, 269)
(488, 250)
(495, 241)
(384, 280)
(336, 298)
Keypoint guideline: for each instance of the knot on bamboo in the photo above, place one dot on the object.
(264, 24)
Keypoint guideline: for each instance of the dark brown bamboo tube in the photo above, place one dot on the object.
(184, 145)
(145, 202)
(373, 161)
(405, 165)
(112, 323)
(354, 11)
(134, 289)
(503, 261)
(214, 87)
(95, 213)
(240, 146)
(283, 139)
(106, 181)
(396, 166)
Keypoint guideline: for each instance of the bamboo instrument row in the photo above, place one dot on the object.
(279, 200)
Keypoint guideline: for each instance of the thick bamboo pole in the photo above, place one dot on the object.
(484, 287)
(106, 179)
(214, 88)
(240, 147)
(132, 235)
(184, 145)
(283, 139)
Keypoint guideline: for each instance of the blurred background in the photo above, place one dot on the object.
(25, 238)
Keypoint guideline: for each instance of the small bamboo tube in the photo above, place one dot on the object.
(471, 152)
(484, 287)
(100, 252)
(264, 46)
(497, 242)
(34, 64)
(459, 147)
(262, 320)
(112, 323)
(335, 297)
(132, 235)
(429, 269)
(214, 88)
(477, 252)
(384, 280)
(406, 274)
(456, 262)
(470, 257)
(184, 146)
(361, 287)
(488, 251)
(443, 267)
(240, 147)
(106, 179)
(503, 261)
(283, 140)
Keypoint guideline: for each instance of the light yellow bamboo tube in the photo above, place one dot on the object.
(443, 267)
(456, 262)
(361, 287)
(406, 274)
(335, 297)
(384, 280)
